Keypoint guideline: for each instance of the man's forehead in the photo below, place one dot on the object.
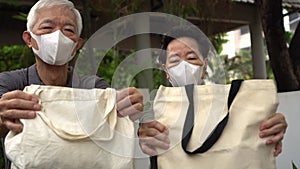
(56, 11)
(54, 15)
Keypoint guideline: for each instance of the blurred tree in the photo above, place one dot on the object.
(284, 60)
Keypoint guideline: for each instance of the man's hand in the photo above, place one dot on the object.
(152, 135)
(275, 126)
(130, 103)
(14, 106)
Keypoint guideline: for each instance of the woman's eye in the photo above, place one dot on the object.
(192, 58)
(174, 61)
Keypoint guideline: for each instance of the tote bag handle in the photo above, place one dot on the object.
(189, 120)
(81, 136)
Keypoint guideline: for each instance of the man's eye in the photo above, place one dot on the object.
(69, 30)
(47, 27)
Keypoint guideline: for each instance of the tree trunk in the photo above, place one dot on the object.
(86, 17)
(281, 63)
(294, 52)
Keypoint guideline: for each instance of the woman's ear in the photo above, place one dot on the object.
(27, 38)
(204, 68)
(166, 71)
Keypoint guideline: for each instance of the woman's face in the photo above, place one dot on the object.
(183, 48)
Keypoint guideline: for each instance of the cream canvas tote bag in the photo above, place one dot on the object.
(76, 129)
(216, 126)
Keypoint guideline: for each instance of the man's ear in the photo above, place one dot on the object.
(27, 38)
(166, 71)
(204, 68)
(79, 43)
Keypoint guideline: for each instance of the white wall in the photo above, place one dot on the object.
(289, 105)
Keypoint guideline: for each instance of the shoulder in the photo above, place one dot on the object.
(89, 81)
(100, 82)
(13, 80)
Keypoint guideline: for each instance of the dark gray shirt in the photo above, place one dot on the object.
(18, 79)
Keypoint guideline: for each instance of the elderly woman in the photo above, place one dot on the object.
(186, 52)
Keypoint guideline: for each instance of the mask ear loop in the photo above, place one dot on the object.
(168, 76)
(204, 69)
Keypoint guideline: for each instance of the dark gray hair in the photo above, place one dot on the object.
(184, 31)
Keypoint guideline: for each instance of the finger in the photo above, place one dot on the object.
(273, 120)
(122, 94)
(155, 124)
(153, 142)
(135, 116)
(134, 111)
(275, 139)
(130, 101)
(279, 128)
(16, 127)
(127, 98)
(20, 95)
(152, 132)
(22, 104)
(278, 149)
(164, 137)
(148, 150)
(18, 114)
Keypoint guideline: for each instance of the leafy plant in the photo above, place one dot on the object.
(294, 166)
(15, 57)
(21, 16)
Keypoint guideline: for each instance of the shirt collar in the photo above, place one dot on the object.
(34, 78)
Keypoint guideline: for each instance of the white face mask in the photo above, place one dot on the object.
(185, 73)
(54, 48)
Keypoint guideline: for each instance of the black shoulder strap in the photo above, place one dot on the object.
(189, 121)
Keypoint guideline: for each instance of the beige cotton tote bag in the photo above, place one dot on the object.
(216, 126)
(76, 129)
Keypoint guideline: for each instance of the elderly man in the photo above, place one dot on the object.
(53, 33)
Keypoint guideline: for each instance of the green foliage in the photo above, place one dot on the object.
(218, 41)
(294, 166)
(15, 57)
(289, 35)
(21, 16)
(240, 66)
(10, 2)
(108, 69)
(181, 8)
(114, 66)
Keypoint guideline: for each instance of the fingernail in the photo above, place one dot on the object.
(269, 142)
(31, 114)
(261, 134)
(34, 99)
(37, 107)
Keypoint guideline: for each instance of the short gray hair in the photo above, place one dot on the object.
(32, 15)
